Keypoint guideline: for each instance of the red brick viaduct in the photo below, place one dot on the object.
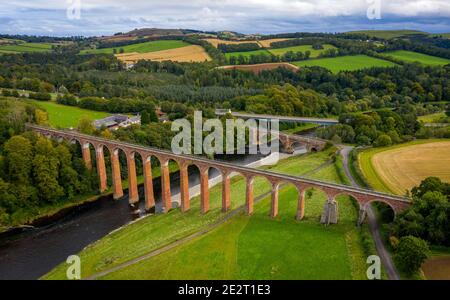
(363, 197)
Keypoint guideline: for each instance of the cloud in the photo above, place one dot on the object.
(248, 16)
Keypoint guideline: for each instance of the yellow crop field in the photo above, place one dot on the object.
(216, 42)
(191, 53)
(402, 168)
(261, 43)
(267, 43)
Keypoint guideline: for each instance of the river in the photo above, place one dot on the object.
(33, 253)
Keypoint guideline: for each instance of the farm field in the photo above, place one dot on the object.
(191, 53)
(215, 42)
(246, 53)
(228, 251)
(141, 47)
(438, 266)
(64, 116)
(260, 67)
(399, 168)
(301, 48)
(345, 63)
(25, 47)
(409, 56)
(267, 43)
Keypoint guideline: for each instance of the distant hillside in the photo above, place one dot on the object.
(389, 34)
(142, 33)
(155, 31)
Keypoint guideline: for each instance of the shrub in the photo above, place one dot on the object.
(328, 145)
(41, 96)
(366, 242)
(411, 253)
(383, 140)
(394, 242)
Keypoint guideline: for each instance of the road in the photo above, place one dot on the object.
(373, 223)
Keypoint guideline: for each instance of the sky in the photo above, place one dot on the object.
(104, 17)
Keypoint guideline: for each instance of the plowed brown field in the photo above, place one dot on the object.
(258, 68)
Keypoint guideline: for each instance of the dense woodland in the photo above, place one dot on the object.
(34, 171)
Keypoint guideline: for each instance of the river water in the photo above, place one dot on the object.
(33, 253)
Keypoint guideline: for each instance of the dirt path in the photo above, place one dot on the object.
(373, 223)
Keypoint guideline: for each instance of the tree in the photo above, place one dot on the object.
(41, 117)
(46, 171)
(18, 156)
(145, 117)
(383, 140)
(431, 184)
(85, 126)
(411, 254)
(429, 215)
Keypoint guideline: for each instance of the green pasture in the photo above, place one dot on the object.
(301, 48)
(409, 56)
(140, 48)
(64, 116)
(345, 63)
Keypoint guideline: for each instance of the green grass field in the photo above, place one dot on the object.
(64, 116)
(246, 53)
(345, 63)
(301, 48)
(409, 56)
(25, 47)
(245, 247)
(141, 47)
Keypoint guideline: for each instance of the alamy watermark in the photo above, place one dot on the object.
(210, 137)
(73, 11)
(74, 270)
(374, 269)
(374, 9)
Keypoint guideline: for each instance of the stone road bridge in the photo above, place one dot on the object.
(362, 196)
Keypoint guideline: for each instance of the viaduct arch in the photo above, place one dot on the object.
(363, 196)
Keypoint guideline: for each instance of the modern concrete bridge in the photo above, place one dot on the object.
(362, 196)
(318, 121)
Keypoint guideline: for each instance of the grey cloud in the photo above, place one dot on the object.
(248, 16)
